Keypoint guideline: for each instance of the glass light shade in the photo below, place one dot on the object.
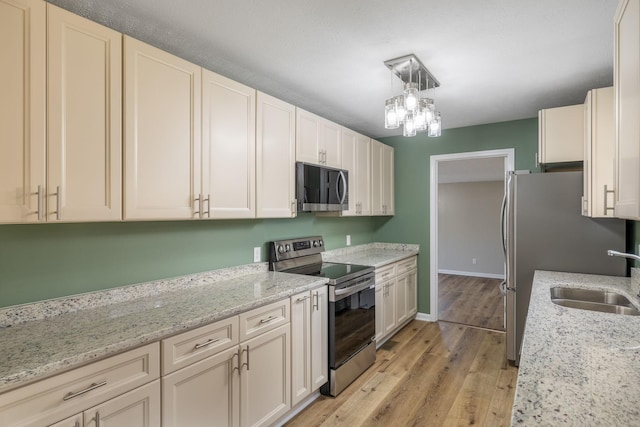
(430, 109)
(435, 125)
(390, 114)
(420, 119)
(400, 110)
(411, 97)
(409, 125)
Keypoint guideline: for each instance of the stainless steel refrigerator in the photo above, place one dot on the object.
(543, 229)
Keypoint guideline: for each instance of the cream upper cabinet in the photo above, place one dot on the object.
(318, 140)
(22, 110)
(228, 148)
(382, 179)
(84, 110)
(627, 109)
(561, 134)
(161, 134)
(356, 158)
(599, 154)
(275, 158)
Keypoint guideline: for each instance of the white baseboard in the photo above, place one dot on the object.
(473, 274)
(425, 317)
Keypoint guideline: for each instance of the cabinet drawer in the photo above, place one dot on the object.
(72, 392)
(385, 273)
(406, 265)
(191, 346)
(263, 319)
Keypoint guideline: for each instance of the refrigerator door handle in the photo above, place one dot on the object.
(503, 213)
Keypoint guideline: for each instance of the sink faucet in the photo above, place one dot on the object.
(622, 254)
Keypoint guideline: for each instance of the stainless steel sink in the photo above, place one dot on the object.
(594, 300)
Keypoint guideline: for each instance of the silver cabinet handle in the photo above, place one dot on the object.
(93, 386)
(58, 202)
(316, 297)
(606, 192)
(97, 419)
(303, 298)
(77, 424)
(208, 200)
(247, 363)
(38, 194)
(268, 319)
(294, 207)
(236, 367)
(197, 212)
(205, 344)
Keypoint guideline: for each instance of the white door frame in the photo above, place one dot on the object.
(507, 153)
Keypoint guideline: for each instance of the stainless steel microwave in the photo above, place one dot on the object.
(321, 189)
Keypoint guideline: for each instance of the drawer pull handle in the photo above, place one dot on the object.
(268, 319)
(204, 344)
(93, 386)
(303, 298)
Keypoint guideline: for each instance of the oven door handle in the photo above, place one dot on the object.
(354, 289)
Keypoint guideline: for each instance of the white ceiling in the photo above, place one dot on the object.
(496, 60)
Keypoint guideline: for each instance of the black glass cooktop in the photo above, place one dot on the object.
(330, 270)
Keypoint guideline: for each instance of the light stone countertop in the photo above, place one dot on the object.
(578, 367)
(41, 339)
(372, 254)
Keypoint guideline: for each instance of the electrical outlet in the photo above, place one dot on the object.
(474, 261)
(348, 239)
(256, 254)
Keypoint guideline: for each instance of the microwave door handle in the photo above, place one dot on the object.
(344, 193)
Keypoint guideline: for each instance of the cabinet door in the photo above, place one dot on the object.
(84, 107)
(389, 306)
(388, 196)
(561, 134)
(319, 337)
(75, 421)
(265, 379)
(377, 178)
(627, 107)
(308, 137)
(331, 144)
(162, 134)
(401, 299)
(228, 147)
(380, 310)
(137, 408)
(363, 168)
(411, 293)
(301, 351)
(204, 393)
(22, 109)
(349, 163)
(275, 158)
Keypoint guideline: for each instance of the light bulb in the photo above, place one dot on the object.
(411, 97)
(390, 114)
(435, 126)
(409, 125)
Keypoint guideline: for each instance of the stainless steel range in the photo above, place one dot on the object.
(352, 346)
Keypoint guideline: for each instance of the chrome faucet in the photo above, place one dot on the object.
(622, 254)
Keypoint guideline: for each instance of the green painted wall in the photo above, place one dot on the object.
(42, 261)
(412, 157)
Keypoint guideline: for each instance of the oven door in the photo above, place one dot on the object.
(352, 321)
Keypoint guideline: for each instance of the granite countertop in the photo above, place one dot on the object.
(372, 254)
(578, 367)
(41, 339)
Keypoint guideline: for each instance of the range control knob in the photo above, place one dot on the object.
(287, 247)
(320, 242)
(315, 243)
(280, 249)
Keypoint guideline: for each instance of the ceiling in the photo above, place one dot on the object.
(496, 60)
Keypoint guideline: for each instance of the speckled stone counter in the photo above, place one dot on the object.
(372, 254)
(42, 339)
(578, 367)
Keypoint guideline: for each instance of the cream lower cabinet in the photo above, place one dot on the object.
(119, 390)
(356, 158)
(228, 148)
(561, 134)
(275, 158)
(598, 197)
(162, 158)
(626, 85)
(309, 341)
(396, 297)
(382, 179)
(240, 385)
(318, 140)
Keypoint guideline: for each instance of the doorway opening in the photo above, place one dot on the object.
(466, 256)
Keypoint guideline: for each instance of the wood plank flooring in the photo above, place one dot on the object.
(474, 301)
(429, 374)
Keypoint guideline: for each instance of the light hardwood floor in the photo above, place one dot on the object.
(429, 374)
(474, 301)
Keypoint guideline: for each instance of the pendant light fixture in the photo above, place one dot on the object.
(414, 113)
